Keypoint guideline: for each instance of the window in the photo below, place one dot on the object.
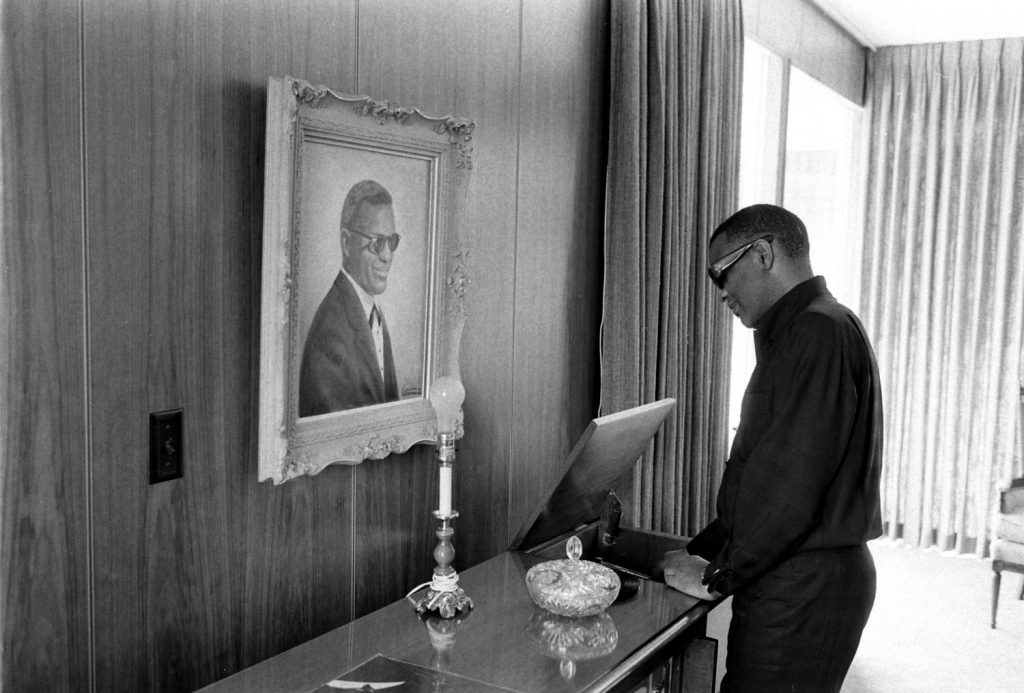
(823, 180)
(800, 147)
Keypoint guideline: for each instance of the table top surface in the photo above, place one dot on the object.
(505, 640)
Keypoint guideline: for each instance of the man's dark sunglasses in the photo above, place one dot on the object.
(377, 243)
(718, 270)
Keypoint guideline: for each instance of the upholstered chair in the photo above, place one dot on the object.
(1008, 546)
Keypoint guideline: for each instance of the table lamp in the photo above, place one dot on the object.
(445, 596)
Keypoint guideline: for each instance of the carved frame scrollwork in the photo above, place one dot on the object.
(301, 115)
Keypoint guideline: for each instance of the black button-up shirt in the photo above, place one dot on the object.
(804, 468)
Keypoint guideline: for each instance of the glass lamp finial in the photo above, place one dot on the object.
(446, 395)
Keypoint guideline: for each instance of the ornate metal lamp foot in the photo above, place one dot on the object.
(447, 604)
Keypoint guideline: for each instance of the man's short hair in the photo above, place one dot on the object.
(790, 234)
(363, 196)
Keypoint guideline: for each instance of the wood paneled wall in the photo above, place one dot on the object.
(131, 140)
(44, 468)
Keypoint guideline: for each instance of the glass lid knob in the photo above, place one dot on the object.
(574, 548)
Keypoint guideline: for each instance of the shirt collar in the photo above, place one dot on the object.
(366, 299)
(785, 309)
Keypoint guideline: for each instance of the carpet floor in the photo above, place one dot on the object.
(930, 627)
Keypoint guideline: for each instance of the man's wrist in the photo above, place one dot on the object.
(713, 576)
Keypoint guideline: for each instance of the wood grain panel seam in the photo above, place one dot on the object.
(512, 523)
(90, 577)
(352, 540)
(358, 33)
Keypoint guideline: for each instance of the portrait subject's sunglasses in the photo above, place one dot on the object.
(377, 243)
(718, 270)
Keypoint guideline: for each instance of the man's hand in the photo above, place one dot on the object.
(683, 572)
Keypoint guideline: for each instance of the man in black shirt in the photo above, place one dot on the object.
(800, 494)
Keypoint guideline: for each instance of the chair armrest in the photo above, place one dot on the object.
(1011, 500)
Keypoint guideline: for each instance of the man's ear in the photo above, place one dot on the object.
(346, 239)
(765, 253)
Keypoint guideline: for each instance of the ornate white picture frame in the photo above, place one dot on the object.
(322, 370)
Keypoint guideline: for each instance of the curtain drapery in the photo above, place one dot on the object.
(943, 293)
(672, 176)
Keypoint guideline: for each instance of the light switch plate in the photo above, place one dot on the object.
(165, 446)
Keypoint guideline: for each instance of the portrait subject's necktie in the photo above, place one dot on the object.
(378, 337)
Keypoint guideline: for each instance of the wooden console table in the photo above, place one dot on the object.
(654, 640)
(495, 645)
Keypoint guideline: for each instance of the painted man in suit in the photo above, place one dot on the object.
(347, 361)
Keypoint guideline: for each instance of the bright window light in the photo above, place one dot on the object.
(821, 181)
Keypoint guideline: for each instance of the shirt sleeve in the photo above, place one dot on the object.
(709, 542)
(786, 475)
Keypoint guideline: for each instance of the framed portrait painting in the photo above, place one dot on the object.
(364, 275)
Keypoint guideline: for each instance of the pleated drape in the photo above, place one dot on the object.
(943, 288)
(672, 176)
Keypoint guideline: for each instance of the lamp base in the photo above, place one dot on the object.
(446, 603)
(444, 596)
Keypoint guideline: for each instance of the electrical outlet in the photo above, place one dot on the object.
(165, 446)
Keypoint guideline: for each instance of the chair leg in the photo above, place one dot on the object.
(996, 578)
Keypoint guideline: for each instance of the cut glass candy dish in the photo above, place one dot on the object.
(572, 587)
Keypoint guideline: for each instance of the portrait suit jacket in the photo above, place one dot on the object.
(339, 361)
